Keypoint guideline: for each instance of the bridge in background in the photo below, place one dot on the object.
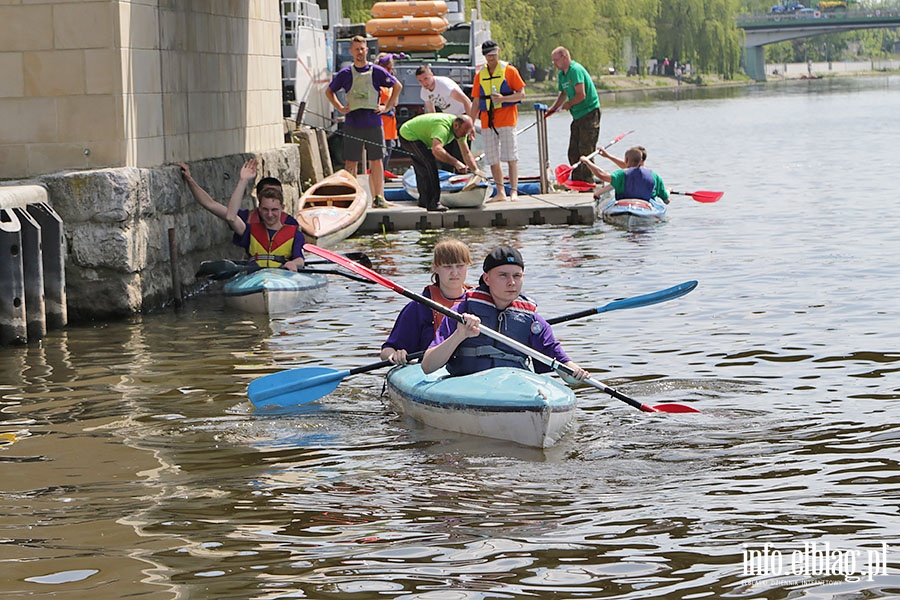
(761, 30)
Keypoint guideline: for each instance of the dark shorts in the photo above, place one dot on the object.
(355, 138)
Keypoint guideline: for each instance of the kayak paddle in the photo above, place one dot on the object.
(305, 385)
(225, 268)
(563, 172)
(515, 345)
(702, 195)
(308, 384)
(671, 293)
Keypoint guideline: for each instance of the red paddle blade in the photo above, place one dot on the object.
(357, 268)
(702, 195)
(672, 407)
(562, 174)
(579, 186)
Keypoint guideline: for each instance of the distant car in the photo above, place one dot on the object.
(807, 13)
(794, 8)
(776, 10)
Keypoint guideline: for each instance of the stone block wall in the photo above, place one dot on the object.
(117, 221)
(89, 84)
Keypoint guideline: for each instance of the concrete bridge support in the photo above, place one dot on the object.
(754, 59)
(28, 275)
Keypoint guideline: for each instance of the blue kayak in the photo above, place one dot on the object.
(633, 212)
(272, 291)
(502, 403)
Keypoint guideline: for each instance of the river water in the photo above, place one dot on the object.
(133, 465)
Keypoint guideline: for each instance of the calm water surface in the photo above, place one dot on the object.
(133, 465)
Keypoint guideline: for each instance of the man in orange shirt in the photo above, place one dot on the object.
(497, 90)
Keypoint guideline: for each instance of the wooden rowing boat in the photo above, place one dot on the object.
(453, 192)
(274, 291)
(633, 213)
(503, 403)
(332, 209)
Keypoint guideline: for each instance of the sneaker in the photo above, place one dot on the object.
(380, 202)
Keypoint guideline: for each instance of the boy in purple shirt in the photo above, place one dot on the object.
(497, 303)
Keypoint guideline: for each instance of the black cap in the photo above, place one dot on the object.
(503, 255)
(489, 47)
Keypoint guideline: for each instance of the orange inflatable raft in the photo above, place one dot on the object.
(406, 26)
(412, 8)
(411, 43)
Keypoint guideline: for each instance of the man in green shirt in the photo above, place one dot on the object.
(424, 138)
(577, 95)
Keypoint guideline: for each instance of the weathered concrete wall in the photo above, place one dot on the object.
(117, 222)
(89, 84)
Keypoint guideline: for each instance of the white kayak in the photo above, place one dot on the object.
(503, 403)
(273, 291)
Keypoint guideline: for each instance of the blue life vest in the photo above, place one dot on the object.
(481, 353)
(639, 183)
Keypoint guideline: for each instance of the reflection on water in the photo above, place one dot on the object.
(133, 463)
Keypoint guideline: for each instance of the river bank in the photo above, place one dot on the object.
(545, 91)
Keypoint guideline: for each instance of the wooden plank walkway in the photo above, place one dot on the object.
(567, 208)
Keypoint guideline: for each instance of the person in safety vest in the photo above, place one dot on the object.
(268, 241)
(497, 303)
(362, 82)
(578, 95)
(634, 181)
(248, 173)
(415, 325)
(496, 93)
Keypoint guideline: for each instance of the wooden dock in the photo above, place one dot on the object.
(564, 208)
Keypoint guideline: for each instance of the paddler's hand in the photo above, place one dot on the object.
(584, 159)
(398, 357)
(480, 173)
(470, 328)
(577, 376)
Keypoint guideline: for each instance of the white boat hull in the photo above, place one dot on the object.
(505, 404)
(274, 291)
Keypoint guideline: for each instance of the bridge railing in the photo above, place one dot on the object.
(782, 18)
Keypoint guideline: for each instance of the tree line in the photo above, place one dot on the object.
(622, 33)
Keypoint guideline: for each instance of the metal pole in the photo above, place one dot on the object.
(173, 265)
(540, 117)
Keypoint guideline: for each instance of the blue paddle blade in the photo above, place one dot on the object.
(294, 386)
(653, 298)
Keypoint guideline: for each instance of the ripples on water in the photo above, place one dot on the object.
(133, 464)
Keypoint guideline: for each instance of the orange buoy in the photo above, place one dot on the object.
(406, 25)
(411, 43)
(412, 8)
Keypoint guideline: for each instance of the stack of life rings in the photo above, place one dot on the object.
(410, 26)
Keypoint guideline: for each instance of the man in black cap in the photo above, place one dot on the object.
(497, 303)
(497, 91)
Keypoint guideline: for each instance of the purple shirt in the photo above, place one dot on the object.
(414, 328)
(544, 342)
(343, 81)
